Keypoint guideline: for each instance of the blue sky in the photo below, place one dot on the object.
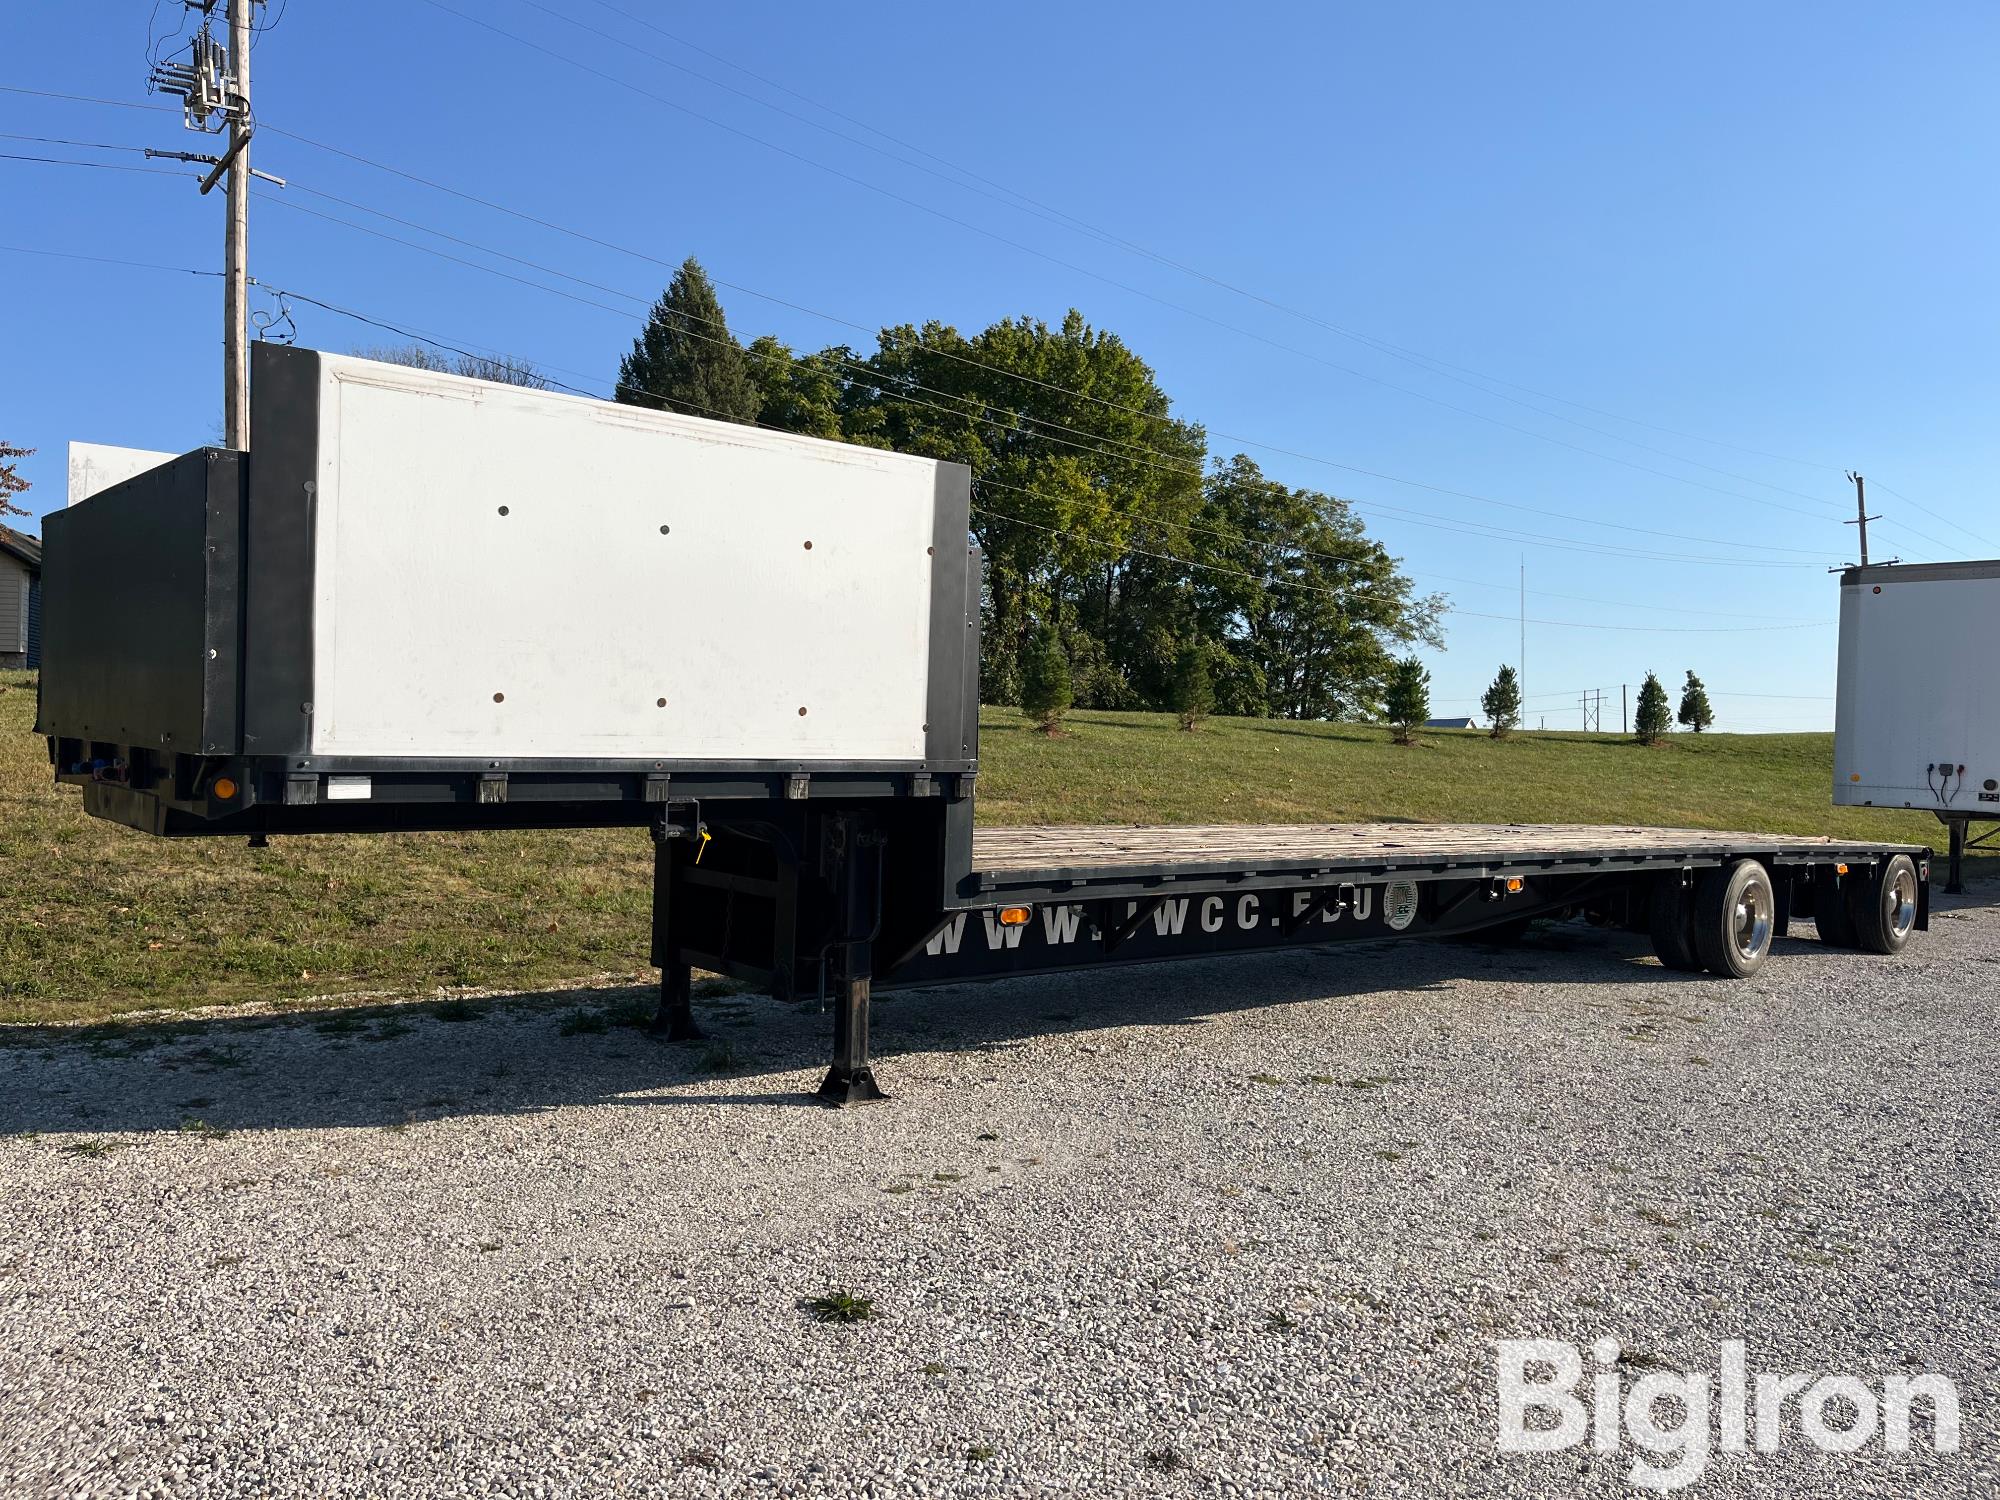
(1716, 254)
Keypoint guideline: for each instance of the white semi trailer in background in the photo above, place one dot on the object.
(1917, 720)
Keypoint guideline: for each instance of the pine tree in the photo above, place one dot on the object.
(1408, 699)
(1045, 684)
(686, 359)
(1193, 687)
(1650, 721)
(1695, 712)
(1501, 703)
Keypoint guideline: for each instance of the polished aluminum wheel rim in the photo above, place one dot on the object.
(1899, 900)
(1750, 924)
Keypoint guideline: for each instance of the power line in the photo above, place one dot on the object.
(407, 333)
(1125, 550)
(9, 88)
(106, 260)
(1485, 531)
(994, 235)
(848, 323)
(1799, 697)
(1983, 540)
(1122, 549)
(130, 104)
(1676, 609)
(873, 374)
(101, 166)
(57, 140)
(1024, 202)
(1412, 518)
(1949, 521)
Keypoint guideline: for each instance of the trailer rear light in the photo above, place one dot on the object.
(1013, 916)
(222, 789)
(1840, 869)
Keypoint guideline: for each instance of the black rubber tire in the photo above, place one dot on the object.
(1832, 914)
(1882, 923)
(1670, 920)
(1718, 939)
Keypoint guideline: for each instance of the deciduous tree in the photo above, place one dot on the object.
(505, 369)
(11, 482)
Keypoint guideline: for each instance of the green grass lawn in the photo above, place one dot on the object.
(96, 920)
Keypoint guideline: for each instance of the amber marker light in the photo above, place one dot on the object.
(1013, 916)
(223, 789)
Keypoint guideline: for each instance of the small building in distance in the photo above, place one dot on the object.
(1466, 723)
(20, 600)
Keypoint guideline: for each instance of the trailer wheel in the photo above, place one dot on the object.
(1670, 920)
(1735, 918)
(1882, 910)
(1833, 914)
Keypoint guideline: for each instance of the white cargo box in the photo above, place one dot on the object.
(1917, 720)
(420, 570)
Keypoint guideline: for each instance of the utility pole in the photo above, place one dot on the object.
(1861, 516)
(1524, 628)
(236, 239)
(214, 87)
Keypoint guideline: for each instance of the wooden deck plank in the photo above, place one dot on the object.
(1012, 851)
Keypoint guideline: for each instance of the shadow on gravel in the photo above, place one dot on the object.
(404, 1063)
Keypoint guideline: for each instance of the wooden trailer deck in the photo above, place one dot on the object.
(1010, 858)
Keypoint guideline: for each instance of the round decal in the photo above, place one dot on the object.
(1399, 904)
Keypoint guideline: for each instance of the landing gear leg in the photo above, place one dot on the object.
(674, 1019)
(850, 1080)
(853, 857)
(1954, 881)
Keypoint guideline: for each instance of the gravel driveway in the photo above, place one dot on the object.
(1234, 1227)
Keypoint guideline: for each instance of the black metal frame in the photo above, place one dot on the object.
(838, 900)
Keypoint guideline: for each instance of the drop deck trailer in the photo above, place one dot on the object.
(764, 650)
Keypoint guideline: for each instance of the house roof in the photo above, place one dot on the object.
(1449, 724)
(20, 544)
